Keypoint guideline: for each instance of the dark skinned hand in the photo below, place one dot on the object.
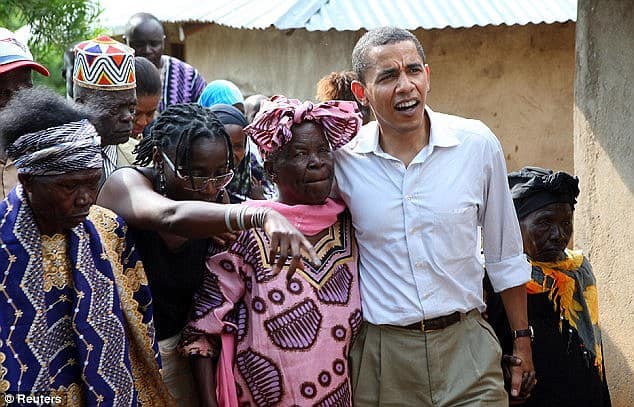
(529, 380)
(286, 241)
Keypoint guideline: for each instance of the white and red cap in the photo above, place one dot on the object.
(14, 54)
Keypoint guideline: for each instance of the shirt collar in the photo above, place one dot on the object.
(440, 135)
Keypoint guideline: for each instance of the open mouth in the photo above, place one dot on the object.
(406, 106)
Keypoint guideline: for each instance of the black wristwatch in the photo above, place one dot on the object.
(518, 333)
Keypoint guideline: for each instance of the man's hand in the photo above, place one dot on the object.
(523, 378)
(514, 300)
(286, 241)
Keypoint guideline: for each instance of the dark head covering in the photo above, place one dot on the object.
(533, 188)
(228, 114)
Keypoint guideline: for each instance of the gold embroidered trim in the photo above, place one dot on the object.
(147, 378)
(55, 262)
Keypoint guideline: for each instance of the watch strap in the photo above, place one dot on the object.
(518, 333)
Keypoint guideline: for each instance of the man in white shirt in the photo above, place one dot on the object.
(418, 185)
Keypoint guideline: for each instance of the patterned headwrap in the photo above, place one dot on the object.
(533, 188)
(105, 64)
(57, 150)
(271, 128)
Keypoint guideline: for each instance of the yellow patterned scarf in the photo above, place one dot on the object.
(571, 288)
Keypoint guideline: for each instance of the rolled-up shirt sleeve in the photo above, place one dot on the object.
(505, 261)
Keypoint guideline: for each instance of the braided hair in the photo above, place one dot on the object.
(180, 125)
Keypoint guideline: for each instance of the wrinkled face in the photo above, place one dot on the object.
(208, 158)
(61, 202)
(304, 168)
(144, 114)
(547, 231)
(238, 141)
(13, 80)
(114, 112)
(148, 40)
(396, 86)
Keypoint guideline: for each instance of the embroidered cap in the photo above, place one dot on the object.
(15, 54)
(105, 64)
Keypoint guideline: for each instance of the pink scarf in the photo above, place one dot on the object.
(308, 219)
(226, 392)
(271, 128)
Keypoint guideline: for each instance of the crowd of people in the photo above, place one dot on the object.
(167, 241)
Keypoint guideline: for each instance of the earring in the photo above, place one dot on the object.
(162, 181)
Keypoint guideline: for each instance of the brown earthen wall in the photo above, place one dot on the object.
(517, 79)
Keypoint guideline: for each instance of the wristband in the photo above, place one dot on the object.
(518, 333)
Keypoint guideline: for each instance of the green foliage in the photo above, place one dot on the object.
(54, 24)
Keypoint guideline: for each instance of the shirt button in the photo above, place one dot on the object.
(419, 265)
(409, 197)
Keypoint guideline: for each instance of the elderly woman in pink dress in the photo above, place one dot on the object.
(283, 339)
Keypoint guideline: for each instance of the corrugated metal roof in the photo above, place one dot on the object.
(323, 15)
(411, 14)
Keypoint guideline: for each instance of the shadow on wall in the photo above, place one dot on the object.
(604, 72)
(616, 362)
(604, 160)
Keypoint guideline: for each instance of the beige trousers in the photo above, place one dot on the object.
(177, 373)
(455, 366)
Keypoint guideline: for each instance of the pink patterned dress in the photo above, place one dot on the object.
(292, 337)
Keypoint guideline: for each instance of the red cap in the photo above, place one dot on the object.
(14, 54)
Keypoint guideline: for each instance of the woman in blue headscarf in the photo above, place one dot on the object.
(249, 180)
(222, 92)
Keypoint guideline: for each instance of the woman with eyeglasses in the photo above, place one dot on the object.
(172, 210)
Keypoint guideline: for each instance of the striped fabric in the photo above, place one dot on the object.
(181, 83)
(271, 129)
(57, 150)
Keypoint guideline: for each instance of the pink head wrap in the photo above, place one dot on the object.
(271, 129)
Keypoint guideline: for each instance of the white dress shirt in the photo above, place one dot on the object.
(417, 226)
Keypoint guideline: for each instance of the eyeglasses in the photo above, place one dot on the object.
(200, 183)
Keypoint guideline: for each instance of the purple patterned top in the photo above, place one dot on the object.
(292, 336)
(181, 82)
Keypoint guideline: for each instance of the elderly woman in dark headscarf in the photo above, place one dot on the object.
(249, 179)
(562, 295)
